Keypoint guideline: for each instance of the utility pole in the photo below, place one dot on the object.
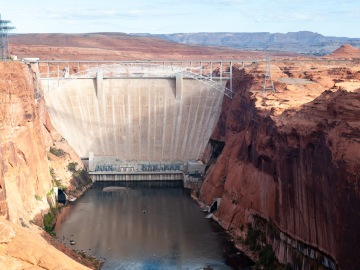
(4, 29)
(268, 81)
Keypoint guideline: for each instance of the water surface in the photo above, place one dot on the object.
(150, 226)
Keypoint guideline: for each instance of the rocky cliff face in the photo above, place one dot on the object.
(24, 248)
(290, 165)
(34, 158)
(24, 171)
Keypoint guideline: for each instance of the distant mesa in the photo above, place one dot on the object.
(304, 42)
(346, 51)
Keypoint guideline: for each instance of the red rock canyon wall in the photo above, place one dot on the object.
(298, 169)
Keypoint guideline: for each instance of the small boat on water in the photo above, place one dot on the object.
(210, 215)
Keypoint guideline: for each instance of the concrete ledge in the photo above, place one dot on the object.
(173, 176)
(135, 173)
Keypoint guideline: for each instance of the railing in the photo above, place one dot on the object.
(214, 73)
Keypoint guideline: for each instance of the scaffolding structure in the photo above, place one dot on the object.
(4, 29)
(268, 81)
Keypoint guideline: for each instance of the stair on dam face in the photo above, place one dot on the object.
(134, 119)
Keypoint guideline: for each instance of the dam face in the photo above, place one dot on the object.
(134, 120)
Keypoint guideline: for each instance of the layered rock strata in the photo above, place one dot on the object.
(290, 164)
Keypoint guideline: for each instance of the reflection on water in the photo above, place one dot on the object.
(142, 228)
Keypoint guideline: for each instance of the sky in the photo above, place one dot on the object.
(327, 17)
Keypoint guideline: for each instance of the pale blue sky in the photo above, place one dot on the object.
(330, 18)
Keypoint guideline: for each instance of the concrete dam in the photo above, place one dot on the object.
(136, 121)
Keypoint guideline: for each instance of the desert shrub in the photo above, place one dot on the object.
(56, 182)
(252, 237)
(57, 151)
(49, 221)
(38, 198)
(52, 173)
(59, 184)
(82, 177)
(51, 191)
(267, 257)
(23, 223)
(72, 166)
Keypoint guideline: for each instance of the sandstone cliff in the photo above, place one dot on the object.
(24, 173)
(290, 165)
(24, 248)
(30, 166)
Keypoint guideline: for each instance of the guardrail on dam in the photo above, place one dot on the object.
(124, 114)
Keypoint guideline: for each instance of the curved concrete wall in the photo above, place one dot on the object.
(134, 119)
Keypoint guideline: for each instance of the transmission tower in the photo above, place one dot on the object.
(268, 81)
(4, 29)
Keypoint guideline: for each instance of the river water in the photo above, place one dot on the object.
(150, 225)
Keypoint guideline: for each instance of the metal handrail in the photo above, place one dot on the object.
(137, 70)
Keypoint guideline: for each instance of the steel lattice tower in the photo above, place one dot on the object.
(4, 29)
(268, 81)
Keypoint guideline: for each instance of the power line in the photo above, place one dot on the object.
(4, 29)
(268, 81)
